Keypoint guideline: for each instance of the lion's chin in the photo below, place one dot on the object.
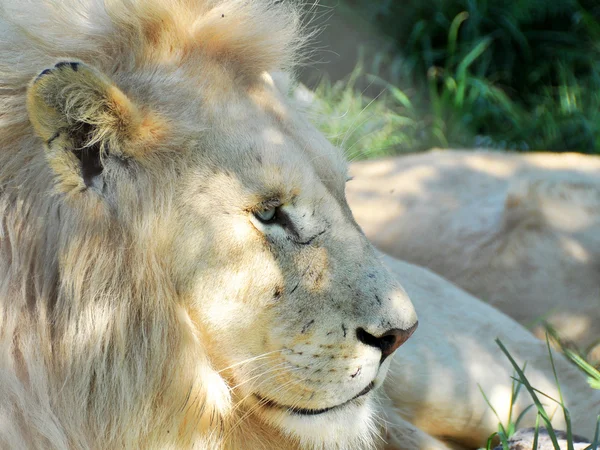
(349, 425)
(294, 410)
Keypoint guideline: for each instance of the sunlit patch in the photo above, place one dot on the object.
(568, 217)
(500, 169)
(573, 325)
(575, 250)
(241, 231)
(273, 136)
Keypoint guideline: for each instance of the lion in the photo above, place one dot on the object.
(180, 268)
(520, 231)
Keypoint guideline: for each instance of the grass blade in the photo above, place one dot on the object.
(453, 33)
(592, 372)
(502, 429)
(520, 417)
(562, 403)
(470, 58)
(490, 440)
(515, 389)
(596, 435)
(461, 70)
(531, 390)
(536, 433)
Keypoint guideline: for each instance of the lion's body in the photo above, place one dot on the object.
(520, 231)
(178, 264)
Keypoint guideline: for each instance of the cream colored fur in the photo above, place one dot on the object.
(520, 231)
(143, 304)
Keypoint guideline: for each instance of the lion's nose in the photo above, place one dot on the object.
(388, 342)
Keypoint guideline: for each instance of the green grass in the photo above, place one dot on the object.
(365, 127)
(521, 75)
(577, 357)
(507, 428)
(397, 121)
(458, 109)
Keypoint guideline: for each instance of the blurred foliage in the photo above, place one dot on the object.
(523, 74)
(366, 127)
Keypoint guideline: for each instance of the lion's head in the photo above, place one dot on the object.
(181, 236)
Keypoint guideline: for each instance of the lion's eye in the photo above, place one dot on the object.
(267, 215)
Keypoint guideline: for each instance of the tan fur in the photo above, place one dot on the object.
(143, 304)
(520, 231)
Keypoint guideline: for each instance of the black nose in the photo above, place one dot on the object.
(389, 341)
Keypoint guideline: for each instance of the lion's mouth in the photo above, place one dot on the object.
(311, 412)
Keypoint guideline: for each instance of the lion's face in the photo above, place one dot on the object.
(240, 202)
(299, 312)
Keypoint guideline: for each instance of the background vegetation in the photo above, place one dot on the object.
(521, 75)
(518, 75)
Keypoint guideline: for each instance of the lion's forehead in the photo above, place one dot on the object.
(267, 153)
(236, 126)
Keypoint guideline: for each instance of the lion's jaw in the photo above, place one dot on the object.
(283, 304)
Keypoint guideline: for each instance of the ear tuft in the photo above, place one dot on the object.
(76, 109)
(70, 95)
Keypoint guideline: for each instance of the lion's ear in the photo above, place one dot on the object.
(84, 118)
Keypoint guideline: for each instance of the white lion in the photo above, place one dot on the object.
(180, 268)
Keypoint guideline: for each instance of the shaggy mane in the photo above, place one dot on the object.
(129, 35)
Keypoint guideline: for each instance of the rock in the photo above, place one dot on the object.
(523, 440)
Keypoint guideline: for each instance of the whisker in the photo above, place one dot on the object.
(254, 408)
(351, 129)
(383, 424)
(276, 367)
(359, 153)
(249, 360)
(272, 375)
